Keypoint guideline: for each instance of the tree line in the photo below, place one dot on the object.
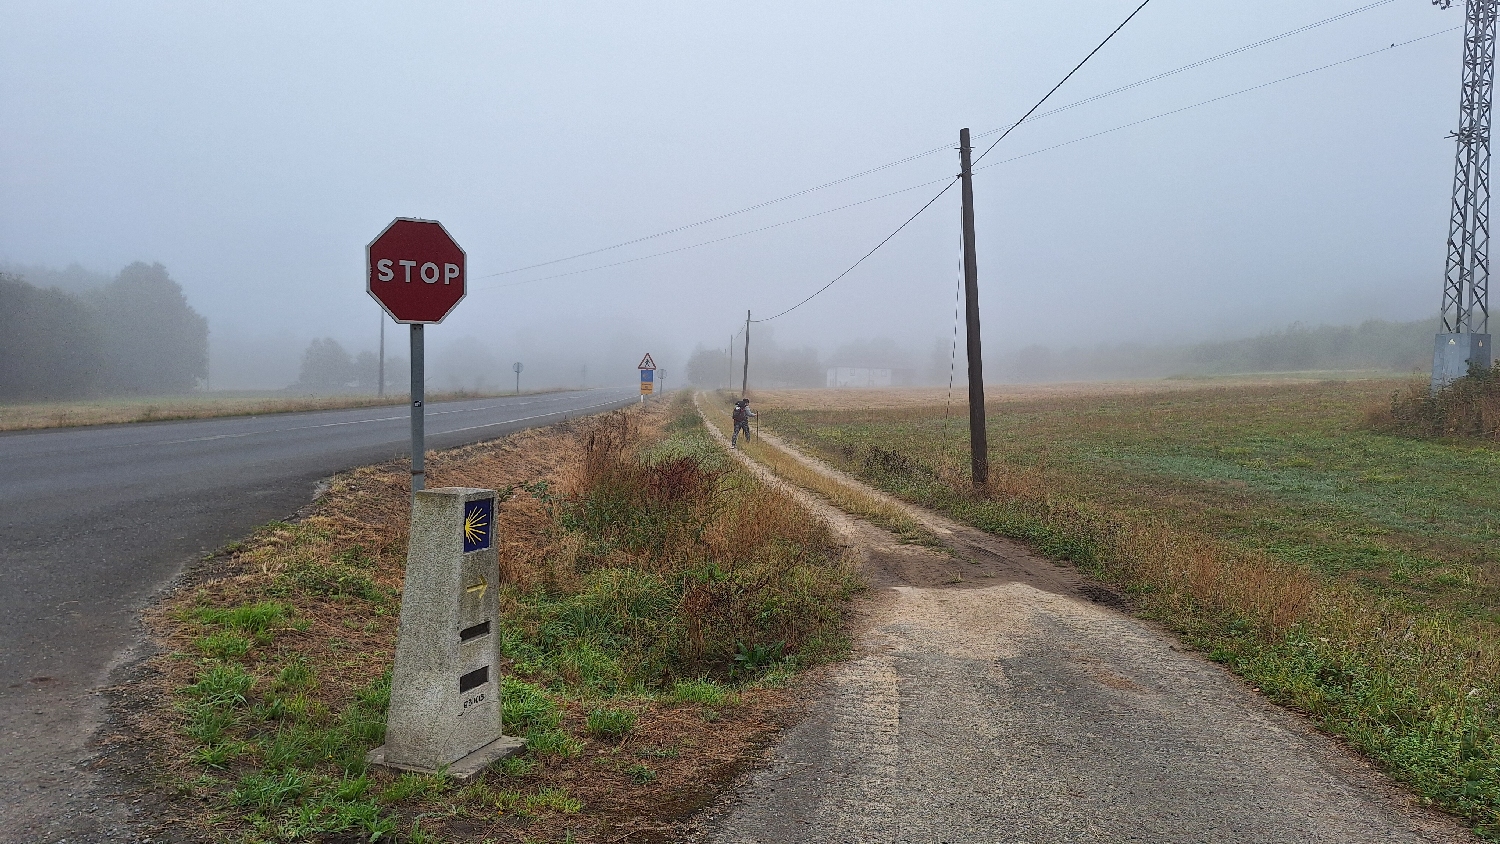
(1373, 344)
(327, 367)
(136, 335)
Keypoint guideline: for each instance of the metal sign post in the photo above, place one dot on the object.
(647, 366)
(418, 415)
(418, 273)
(516, 367)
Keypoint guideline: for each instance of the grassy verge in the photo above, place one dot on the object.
(845, 497)
(655, 599)
(1352, 575)
(32, 416)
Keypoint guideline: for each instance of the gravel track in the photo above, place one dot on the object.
(996, 696)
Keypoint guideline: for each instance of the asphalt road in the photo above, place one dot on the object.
(93, 521)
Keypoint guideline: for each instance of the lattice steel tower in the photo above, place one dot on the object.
(1466, 283)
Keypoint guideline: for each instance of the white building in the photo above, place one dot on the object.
(853, 376)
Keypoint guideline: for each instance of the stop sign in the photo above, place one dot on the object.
(415, 271)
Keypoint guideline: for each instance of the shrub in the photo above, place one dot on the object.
(1468, 407)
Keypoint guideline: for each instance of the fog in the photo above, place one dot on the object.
(253, 150)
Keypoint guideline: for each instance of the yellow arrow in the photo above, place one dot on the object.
(479, 587)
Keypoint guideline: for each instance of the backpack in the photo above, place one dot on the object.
(741, 413)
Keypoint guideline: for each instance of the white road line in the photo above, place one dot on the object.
(241, 435)
(529, 418)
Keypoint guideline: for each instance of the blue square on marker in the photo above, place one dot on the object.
(479, 519)
(647, 375)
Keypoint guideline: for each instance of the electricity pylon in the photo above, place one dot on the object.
(1466, 311)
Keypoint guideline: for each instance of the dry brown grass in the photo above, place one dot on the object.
(848, 498)
(336, 572)
(1469, 407)
(33, 416)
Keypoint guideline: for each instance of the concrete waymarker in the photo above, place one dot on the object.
(445, 687)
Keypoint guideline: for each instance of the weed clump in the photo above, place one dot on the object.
(610, 724)
(664, 563)
(1468, 407)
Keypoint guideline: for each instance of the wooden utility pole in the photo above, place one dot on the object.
(745, 379)
(979, 449)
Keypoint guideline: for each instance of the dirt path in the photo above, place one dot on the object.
(996, 696)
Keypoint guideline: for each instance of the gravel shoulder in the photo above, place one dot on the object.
(996, 696)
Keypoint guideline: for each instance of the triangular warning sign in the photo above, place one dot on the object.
(647, 362)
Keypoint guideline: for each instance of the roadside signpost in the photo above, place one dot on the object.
(445, 709)
(516, 367)
(647, 366)
(417, 272)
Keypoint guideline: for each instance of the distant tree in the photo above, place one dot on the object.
(75, 279)
(326, 366)
(367, 372)
(467, 363)
(708, 368)
(153, 340)
(50, 344)
(397, 373)
(798, 367)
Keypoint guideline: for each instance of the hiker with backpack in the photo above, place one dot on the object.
(742, 415)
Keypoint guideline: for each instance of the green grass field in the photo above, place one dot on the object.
(1349, 574)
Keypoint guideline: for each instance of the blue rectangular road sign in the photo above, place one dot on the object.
(648, 375)
(479, 517)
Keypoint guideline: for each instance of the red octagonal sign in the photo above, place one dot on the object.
(415, 271)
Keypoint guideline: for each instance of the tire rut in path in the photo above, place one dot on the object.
(995, 696)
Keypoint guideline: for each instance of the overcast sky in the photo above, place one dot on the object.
(255, 148)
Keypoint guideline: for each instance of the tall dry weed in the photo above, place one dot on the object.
(1468, 407)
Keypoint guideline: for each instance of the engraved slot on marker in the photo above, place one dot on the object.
(474, 679)
(481, 629)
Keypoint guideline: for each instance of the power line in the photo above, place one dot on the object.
(1200, 63)
(934, 150)
(717, 239)
(1029, 112)
(1222, 97)
(719, 217)
(1063, 81)
(862, 258)
(983, 167)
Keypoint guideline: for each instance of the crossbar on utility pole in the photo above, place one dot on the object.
(979, 453)
(745, 378)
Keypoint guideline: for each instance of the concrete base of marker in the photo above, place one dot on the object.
(464, 769)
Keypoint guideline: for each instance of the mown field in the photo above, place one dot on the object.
(655, 600)
(113, 411)
(1348, 574)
